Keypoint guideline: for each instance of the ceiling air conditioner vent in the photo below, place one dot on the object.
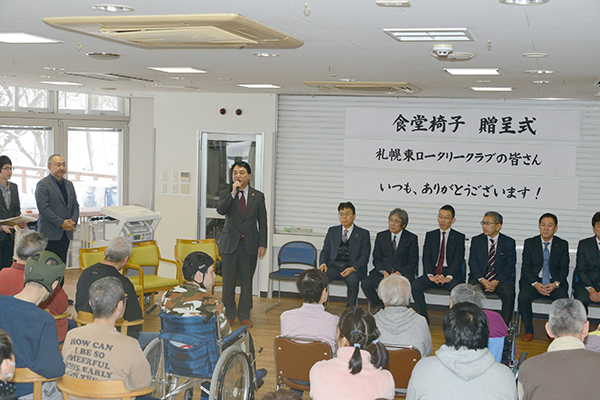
(368, 87)
(208, 31)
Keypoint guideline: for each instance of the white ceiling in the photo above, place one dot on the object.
(343, 39)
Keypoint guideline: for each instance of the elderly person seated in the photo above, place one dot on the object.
(399, 324)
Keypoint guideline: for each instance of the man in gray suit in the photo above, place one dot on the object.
(244, 238)
(57, 206)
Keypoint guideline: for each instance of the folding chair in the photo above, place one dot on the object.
(402, 360)
(296, 252)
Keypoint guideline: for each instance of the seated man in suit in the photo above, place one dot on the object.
(544, 271)
(443, 259)
(346, 252)
(492, 262)
(396, 251)
(587, 288)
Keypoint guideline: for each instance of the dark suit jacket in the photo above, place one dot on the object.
(254, 222)
(406, 259)
(13, 209)
(455, 253)
(506, 258)
(588, 263)
(53, 209)
(533, 260)
(359, 248)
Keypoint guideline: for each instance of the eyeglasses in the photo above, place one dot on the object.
(345, 214)
(487, 223)
(124, 298)
(395, 220)
(8, 168)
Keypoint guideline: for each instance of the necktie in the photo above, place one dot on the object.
(243, 203)
(394, 244)
(491, 257)
(440, 263)
(546, 266)
(345, 236)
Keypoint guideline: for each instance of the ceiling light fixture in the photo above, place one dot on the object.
(103, 56)
(523, 2)
(542, 82)
(179, 70)
(113, 8)
(472, 71)
(258, 86)
(539, 72)
(266, 54)
(491, 89)
(25, 38)
(54, 69)
(430, 35)
(63, 83)
(393, 3)
(535, 55)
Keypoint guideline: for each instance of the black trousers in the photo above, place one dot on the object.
(421, 284)
(581, 294)
(527, 294)
(352, 281)
(7, 247)
(60, 247)
(239, 263)
(506, 292)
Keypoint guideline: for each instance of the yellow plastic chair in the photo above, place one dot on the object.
(97, 389)
(91, 256)
(146, 254)
(25, 375)
(84, 318)
(183, 247)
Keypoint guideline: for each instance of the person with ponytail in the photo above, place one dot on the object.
(193, 298)
(7, 367)
(356, 373)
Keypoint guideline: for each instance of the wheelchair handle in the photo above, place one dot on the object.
(151, 308)
(209, 316)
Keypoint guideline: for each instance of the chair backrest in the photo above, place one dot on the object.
(85, 317)
(294, 357)
(183, 247)
(69, 385)
(89, 257)
(25, 375)
(402, 360)
(145, 254)
(297, 252)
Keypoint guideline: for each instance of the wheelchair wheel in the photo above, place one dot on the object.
(232, 378)
(154, 354)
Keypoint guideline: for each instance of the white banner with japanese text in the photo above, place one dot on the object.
(455, 156)
(492, 190)
(423, 123)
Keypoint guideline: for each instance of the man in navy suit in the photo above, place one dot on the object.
(396, 251)
(243, 240)
(443, 259)
(544, 271)
(587, 288)
(345, 252)
(492, 262)
(57, 206)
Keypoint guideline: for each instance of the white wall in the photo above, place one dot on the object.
(141, 133)
(177, 119)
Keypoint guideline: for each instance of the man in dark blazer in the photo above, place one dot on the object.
(396, 251)
(243, 240)
(9, 207)
(346, 251)
(442, 259)
(57, 206)
(587, 288)
(544, 270)
(492, 262)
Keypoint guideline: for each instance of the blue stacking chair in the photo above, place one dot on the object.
(295, 252)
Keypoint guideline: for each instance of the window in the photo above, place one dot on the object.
(82, 103)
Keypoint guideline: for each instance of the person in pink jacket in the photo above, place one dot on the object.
(356, 373)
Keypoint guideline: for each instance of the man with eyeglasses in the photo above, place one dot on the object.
(396, 252)
(443, 259)
(346, 251)
(98, 351)
(116, 256)
(492, 262)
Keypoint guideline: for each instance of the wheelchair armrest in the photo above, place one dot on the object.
(234, 335)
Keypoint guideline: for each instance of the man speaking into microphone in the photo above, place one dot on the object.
(244, 238)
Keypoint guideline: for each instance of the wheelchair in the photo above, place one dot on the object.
(190, 352)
